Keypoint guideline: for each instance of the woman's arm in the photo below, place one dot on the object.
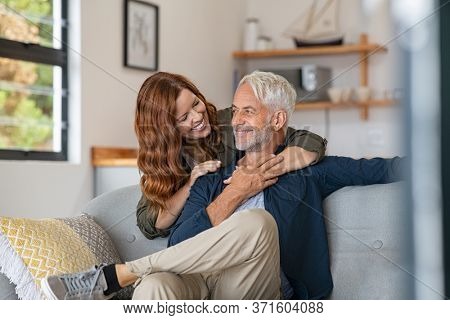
(146, 213)
(303, 148)
(154, 222)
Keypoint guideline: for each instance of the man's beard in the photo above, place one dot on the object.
(259, 138)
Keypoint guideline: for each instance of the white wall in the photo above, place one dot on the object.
(196, 38)
(347, 134)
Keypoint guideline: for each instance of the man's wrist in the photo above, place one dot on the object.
(224, 205)
(234, 195)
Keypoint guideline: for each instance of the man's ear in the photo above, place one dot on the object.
(279, 119)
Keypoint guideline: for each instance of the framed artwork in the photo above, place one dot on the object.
(141, 35)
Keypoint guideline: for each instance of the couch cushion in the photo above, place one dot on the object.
(33, 249)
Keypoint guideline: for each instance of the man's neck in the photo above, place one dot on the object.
(253, 157)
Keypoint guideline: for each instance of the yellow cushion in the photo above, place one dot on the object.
(33, 249)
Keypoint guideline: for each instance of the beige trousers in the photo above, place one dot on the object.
(238, 259)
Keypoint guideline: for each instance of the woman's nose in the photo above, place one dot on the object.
(196, 116)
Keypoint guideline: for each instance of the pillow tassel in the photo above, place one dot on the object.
(13, 267)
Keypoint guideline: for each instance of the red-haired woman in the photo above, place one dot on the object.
(181, 137)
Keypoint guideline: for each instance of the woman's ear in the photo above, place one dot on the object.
(279, 119)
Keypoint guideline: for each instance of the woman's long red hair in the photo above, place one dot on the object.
(160, 142)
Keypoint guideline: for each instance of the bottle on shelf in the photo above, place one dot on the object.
(251, 34)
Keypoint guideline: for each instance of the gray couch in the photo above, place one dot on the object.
(366, 230)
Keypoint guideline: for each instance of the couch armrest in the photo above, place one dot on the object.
(115, 211)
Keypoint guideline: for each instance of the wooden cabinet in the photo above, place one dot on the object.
(364, 49)
(114, 168)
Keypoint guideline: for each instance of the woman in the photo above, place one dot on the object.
(181, 138)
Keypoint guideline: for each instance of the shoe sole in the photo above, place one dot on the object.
(45, 289)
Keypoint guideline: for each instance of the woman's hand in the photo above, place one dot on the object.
(202, 169)
(296, 158)
(249, 180)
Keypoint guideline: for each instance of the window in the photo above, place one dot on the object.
(33, 80)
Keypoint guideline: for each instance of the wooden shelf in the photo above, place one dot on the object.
(320, 105)
(313, 51)
(363, 48)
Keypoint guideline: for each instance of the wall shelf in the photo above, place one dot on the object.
(313, 51)
(364, 49)
(343, 105)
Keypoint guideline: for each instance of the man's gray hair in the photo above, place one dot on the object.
(272, 90)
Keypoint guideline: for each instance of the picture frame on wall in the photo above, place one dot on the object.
(141, 35)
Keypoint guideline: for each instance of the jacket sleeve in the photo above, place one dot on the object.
(306, 140)
(146, 213)
(194, 218)
(339, 172)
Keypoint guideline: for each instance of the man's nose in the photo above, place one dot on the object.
(237, 119)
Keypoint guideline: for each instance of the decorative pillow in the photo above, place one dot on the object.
(34, 249)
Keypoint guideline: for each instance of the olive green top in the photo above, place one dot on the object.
(146, 212)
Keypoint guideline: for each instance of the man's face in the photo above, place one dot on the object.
(251, 121)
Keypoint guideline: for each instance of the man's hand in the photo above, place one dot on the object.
(246, 181)
(270, 166)
(250, 179)
(293, 158)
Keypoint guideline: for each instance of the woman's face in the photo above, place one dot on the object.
(191, 116)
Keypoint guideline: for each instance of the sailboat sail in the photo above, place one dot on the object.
(319, 24)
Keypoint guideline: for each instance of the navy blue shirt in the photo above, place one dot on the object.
(295, 202)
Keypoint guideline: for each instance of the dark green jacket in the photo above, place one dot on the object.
(146, 211)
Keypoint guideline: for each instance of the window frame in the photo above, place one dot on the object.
(50, 56)
(444, 28)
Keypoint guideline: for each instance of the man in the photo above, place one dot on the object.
(261, 108)
(226, 245)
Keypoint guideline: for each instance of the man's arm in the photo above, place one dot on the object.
(339, 172)
(199, 214)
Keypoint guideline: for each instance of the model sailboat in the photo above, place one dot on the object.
(319, 26)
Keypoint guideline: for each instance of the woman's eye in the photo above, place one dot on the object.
(184, 118)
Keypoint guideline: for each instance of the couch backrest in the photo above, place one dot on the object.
(116, 212)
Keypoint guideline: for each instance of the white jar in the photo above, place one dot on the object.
(251, 33)
(264, 43)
